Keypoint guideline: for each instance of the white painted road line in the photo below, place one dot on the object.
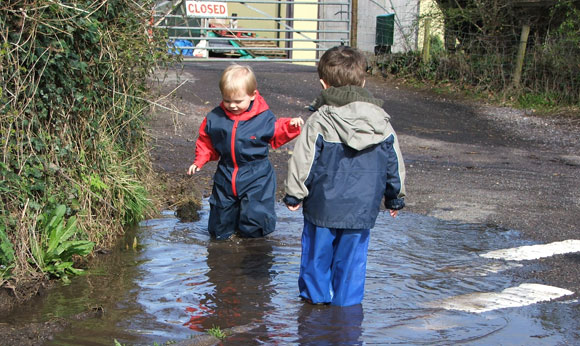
(532, 252)
(525, 294)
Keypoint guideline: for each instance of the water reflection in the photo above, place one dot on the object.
(240, 275)
(330, 325)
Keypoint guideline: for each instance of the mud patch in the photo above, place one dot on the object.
(37, 333)
(14, 293)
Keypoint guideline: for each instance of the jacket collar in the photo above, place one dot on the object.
(340, 96)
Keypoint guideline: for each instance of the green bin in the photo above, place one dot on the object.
(384, 33)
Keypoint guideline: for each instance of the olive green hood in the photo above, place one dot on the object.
(355, 116)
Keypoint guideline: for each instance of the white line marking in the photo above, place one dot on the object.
(525, 294)
(485, 270)
(531, 252)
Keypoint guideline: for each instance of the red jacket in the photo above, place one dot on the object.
(241, 141)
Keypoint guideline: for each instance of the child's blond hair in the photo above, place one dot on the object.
(341, 66)
(236, 78)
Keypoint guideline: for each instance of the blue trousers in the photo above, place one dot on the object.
(333, 264)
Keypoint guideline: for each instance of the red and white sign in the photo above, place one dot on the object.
(206, 9)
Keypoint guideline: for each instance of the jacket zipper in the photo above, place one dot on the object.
(233, 150)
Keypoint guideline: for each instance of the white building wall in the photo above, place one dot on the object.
(405, 31)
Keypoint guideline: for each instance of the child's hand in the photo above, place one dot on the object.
(393, 213)
(297, 122)
(192, 169)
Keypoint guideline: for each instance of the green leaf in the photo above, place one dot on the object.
(67, 249)
(6, 248)
(55, 228)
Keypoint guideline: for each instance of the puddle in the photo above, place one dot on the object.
(178, 284)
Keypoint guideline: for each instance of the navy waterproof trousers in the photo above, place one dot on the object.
(250, 214)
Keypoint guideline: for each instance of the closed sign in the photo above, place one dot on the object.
(206, 9)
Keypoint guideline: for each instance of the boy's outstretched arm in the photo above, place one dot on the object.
(204, 150)
(395, 189)
(286, 129)
(299, 168)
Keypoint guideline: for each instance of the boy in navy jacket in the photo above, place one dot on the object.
(238, 134)
(345, 162)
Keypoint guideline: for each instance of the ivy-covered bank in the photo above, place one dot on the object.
(73, 112)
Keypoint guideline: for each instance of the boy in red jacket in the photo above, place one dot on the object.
(238, 133)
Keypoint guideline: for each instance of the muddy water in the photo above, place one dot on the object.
(176, 284)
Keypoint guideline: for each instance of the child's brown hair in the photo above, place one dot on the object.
(342, 65)
(236, 78)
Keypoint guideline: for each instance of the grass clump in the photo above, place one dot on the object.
(217, 332)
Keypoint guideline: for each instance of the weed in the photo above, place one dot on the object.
(6, 254)
(216, 332)
(52, 250)
(536, 101)
(6, 248)
(117, 343)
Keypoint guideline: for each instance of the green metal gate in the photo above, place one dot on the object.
(274, 30)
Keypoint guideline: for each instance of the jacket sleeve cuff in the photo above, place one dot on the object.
(284, 132)
(291, 201)
(199, 164)
(395, 204)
